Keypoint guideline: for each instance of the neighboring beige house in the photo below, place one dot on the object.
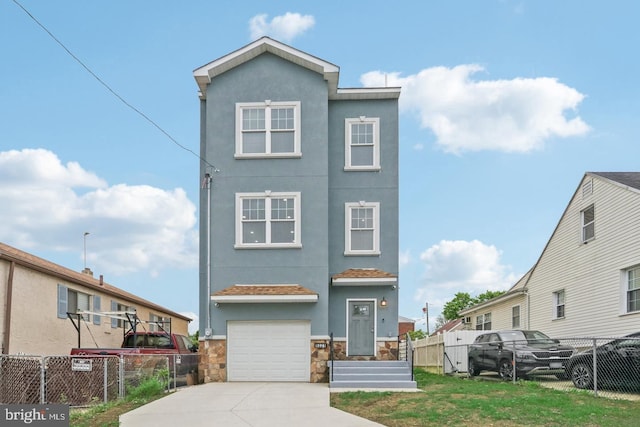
(508, 311)
(587, 279)
(35, 296)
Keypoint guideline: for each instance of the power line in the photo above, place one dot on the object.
(113, 92)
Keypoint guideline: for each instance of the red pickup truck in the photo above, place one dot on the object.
(149, 353)
(143, 343)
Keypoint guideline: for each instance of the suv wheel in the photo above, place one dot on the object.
(505, 369)
(472, 368)
(582, 376)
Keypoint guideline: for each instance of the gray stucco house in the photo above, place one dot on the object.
(299, 217)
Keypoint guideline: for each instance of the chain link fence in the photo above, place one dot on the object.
(608, 367)
(84, 380)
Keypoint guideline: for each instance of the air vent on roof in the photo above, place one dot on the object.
(587, 189)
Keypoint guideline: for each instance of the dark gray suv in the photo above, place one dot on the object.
(535, 353)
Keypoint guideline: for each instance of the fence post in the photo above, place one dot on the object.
(121, 376)
(105, 365)
(595, 368)
(43, 364)
(513, 363)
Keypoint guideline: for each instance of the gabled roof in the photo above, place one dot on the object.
(364, 277)
(264, 293)
(627, 179)
(449, 326)
(33, 262)
(329, 71)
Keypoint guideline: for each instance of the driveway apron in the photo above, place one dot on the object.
(243, 404)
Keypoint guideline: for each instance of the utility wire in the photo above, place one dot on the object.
(113, 92)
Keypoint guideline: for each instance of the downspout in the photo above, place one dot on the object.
(207, 177)
(7, 313)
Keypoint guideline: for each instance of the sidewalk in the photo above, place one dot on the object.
(244, 405)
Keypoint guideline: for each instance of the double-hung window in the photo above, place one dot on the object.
(515, 316)
(362, 228)
(268, 129)
(588, 224)
(483, 322)
(268, 220)
(633, 289)
(362, 143)
(558, 304)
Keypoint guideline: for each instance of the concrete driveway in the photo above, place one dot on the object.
(242, 405)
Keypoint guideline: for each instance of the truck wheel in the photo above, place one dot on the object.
(505, 369)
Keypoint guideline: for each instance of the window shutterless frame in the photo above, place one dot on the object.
(268, 129)
(362, 144)
(268, 220)
(362, 228)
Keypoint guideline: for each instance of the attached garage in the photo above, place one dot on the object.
(268, 350)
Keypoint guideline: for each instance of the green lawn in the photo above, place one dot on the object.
(453, 401)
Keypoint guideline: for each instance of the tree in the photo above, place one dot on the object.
(460, 301)
(440, 321)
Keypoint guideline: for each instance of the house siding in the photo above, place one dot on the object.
(501, 313)
(590, 273)
(269, 70)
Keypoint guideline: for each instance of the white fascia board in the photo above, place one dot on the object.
(380, 281)
(204, 74)
(366, 93)
(249, 299)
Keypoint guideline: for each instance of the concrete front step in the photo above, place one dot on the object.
(371, 374)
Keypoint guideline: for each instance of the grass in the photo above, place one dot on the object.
(108, 414)
(453, 401)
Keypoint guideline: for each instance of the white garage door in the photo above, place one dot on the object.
(268, 351)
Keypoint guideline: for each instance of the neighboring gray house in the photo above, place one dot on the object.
(587, 279)
(299, 216)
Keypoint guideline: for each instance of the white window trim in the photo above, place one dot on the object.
(625, 291)
(554, 300)
(484, 322)
(347, 228)
(267, 104)
(376, 144)
(268, 195)
(583, 225)
(519, 316)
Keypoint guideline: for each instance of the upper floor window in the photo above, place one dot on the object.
(633, 289)
(121, 320)
(558, 304)
(268, 129)
(515, 316)
(588, 224)
(72, 301)
(267, 220)
(159, 323)
(483, 322)
(362, 143)
(362, 228)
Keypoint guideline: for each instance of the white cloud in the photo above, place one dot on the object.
(461, 266)
(404, 258)
(465, 114)
(132, 228)
(284, 27)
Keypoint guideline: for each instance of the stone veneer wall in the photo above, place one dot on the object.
(319, 359)
(212, 363)
(385, 350)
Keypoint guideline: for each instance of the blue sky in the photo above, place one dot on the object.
(505, 105)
